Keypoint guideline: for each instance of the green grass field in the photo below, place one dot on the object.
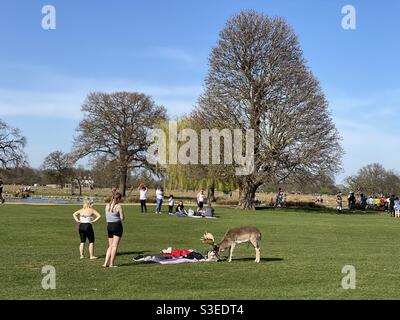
(302, 256)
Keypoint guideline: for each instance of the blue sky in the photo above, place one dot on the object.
(161, 48)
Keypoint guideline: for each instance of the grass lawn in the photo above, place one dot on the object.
(302, 256)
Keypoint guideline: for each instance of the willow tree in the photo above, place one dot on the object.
(258, 80)
(189, 175)
(116, 125)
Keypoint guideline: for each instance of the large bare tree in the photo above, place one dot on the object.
(259, 80)
(12, 144)
(58, 166)
(116, 125)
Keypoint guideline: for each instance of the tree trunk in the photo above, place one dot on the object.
(247, 192)
(80, 187)
(123, 176)
(211, 193)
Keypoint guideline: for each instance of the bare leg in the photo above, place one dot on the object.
(81, 249)
(231, 251)
(114, 248)
(91, 251)
(108, 253)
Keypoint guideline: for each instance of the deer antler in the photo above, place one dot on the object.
(207, 238)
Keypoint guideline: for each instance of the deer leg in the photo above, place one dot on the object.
(257, 255)
(231, 251)
(257, 248)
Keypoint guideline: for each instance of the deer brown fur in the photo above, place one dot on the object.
(233, 237)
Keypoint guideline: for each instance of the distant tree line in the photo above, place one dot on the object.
(374, 179)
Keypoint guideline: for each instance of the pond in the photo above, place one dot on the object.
(44, 200)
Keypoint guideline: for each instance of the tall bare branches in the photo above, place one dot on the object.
(259, 80)
(116, 125)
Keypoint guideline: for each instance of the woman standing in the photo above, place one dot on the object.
(87, 216)
(142, 197)
(159, 199)
(114, 217)
(200, 200)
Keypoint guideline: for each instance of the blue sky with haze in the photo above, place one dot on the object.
(161, 48)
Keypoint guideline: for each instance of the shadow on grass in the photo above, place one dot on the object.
(124, 253)
(252, 259)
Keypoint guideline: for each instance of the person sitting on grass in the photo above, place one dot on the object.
(209, 212)
(87, 216)
(180, 210)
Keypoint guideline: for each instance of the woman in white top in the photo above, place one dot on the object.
(200, 200)
(86, 217)
(159, 199)
(142, 197)
(114, 217)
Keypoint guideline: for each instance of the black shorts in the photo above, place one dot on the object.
(86, 232)
(201, 204)
(114, 229)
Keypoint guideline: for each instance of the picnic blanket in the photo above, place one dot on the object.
(163, 260)
(175, 256)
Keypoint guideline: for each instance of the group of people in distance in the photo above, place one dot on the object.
(180, 210)
(390, 204)
(87, 216)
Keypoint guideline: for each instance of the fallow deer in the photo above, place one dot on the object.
(235, 236)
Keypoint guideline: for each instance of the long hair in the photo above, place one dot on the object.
(116, 196)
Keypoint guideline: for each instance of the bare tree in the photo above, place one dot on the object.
(59, 166)
(259, 80)
(117, 124)
(12, 143)
(374, 179)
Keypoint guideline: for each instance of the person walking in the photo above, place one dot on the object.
(352, 201)
(363, 202)
(339, 202)
(391, 205)
(278, 198)
(159, 199)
